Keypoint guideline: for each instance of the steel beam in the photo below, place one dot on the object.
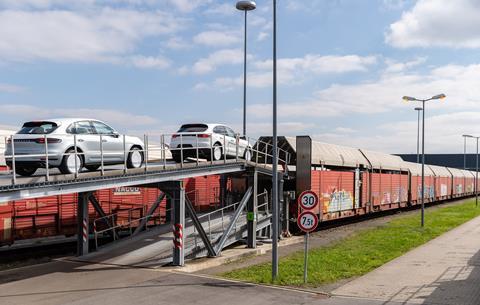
(252, 213)
(82, 224)
(150, 212)
(199, 227)
(241, 206)
(101, 212)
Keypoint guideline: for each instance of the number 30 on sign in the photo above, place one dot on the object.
(308, 200)
(307, 221)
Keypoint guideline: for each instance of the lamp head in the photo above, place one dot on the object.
(408, 99)
(439, 97)
(246, 5)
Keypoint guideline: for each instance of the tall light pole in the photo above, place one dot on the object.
(245, 6)
(476, 168)
(409, 99)
(418, 109)
(274, 154)
(465, 136)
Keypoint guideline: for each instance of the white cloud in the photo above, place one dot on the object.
(438, 23)
(296, 70)
(177, 43)
(150, 62)
(394, 66)
(442, 134)
(262, 36)
(114, 117)
(459, 83)
(103, 35)
(188, 6)
(218, 58)
(226, 9)
(8, 88)
(217, 38)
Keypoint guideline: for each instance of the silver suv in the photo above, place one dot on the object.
(30, 145)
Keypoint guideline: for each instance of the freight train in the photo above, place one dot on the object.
(352, 182)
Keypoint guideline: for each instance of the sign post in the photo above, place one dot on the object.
(307, 222)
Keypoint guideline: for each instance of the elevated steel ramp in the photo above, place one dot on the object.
(153, 248)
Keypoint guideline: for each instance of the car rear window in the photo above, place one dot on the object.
(38, 127)
(193, 128)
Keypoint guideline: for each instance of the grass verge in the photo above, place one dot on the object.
(363, 251)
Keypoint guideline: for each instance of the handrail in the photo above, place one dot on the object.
(153, 154)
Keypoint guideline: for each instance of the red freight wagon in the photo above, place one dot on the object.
(203, 192)
(389, 189)
(336, 190)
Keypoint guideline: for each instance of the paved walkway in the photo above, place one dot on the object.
(444, 271)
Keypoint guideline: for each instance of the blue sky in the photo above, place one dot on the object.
(147, 66)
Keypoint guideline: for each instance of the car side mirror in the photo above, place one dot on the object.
(115, 134)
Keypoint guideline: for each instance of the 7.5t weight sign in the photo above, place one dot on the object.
(308, 200)
(307, 221)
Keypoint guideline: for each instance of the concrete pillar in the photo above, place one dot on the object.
(252, 211)
(83, 224)
(179, 225)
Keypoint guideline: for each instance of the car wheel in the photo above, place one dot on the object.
(68, 162)
(25, 171)
(176, 157)
(135, 158)
(92, 168)
(217, 152)
(247, 155)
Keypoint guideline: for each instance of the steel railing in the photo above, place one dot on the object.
(113, 226)
(220, 218)
(155, 154)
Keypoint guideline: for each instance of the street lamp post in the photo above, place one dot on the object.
(418, 109)
(465, 136)
(407, 99)
(274, 154)
(245, 6)
(476, 168)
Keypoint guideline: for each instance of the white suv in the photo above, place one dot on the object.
(213, 141)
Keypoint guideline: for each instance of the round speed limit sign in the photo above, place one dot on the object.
(308, 200)
(307, 221)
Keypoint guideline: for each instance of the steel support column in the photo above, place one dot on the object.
(226, 233)
(252, 213)
(198, 226)
(179, 225)
(82, 221)
(98, 208)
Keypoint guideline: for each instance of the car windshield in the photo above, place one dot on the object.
(193, 128)
(39, 127)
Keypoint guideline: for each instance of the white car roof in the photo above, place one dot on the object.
(65, 121)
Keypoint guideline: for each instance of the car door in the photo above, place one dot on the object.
(219, 133)
(87, 141)
(112, 143)
(231, 142)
